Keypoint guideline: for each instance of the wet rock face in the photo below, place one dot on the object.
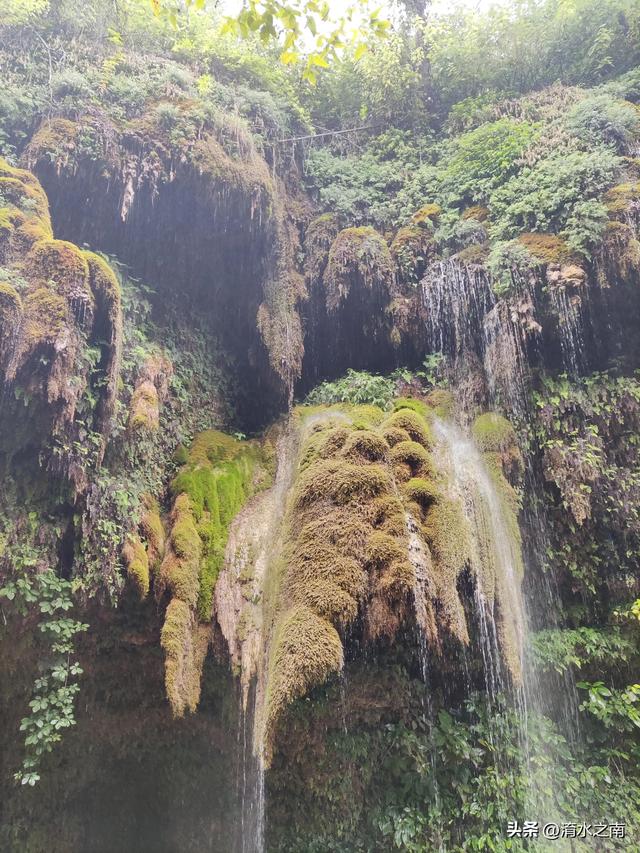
(61, 325)
(203, 225)
(127, 776)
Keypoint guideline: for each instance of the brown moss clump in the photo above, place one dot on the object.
(144, 413)
(411, 249)
(339, 481)
(393, 435)
(360, 258)
(345, 554)
(412, 455)
(477, 212)
(365, 444)
(476, 253)
(136, 560)
(427, 215)
(545, 248)
(152, 388)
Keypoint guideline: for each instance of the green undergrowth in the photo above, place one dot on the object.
(379, 772)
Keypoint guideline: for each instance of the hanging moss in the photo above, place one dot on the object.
(153, 531)
(219, 475)
(359, 257)
(345, 553)
(137, 562)
(306, 650)
(318, 239)
(494, 435)
(185, 646)
(70, 301)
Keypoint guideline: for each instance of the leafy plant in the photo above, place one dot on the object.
(52, 704)
(356, 387)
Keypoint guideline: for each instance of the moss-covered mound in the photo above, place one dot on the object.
(60, 325)
(377, 537)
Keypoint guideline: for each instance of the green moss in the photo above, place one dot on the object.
(10, 302)
(496, 438)
(185, 646)
(59, 262)
(493, 433)
(441, 403)
(447, 535)
(409, 420)
(24, 195)
(153, 531)
(104, 283)
(340, 481)
(411, 458)
(319, 236)
(421, 491)
(180, 570)
(619, 198)
(411, 248)
(219, 476)
(144, 410)
(393, 435)
(137, 563)
(47, 315)
(365, 444)
(306, 651)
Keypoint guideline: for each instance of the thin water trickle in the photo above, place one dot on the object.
(251, 784)
(572, 312)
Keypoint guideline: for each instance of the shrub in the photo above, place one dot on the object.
(480, 160)
(585, 226)
(356, 387)
(504, 259)
(544, 197)
(601, 119)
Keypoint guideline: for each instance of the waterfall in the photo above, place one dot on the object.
(464, 315)
(496, 556)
